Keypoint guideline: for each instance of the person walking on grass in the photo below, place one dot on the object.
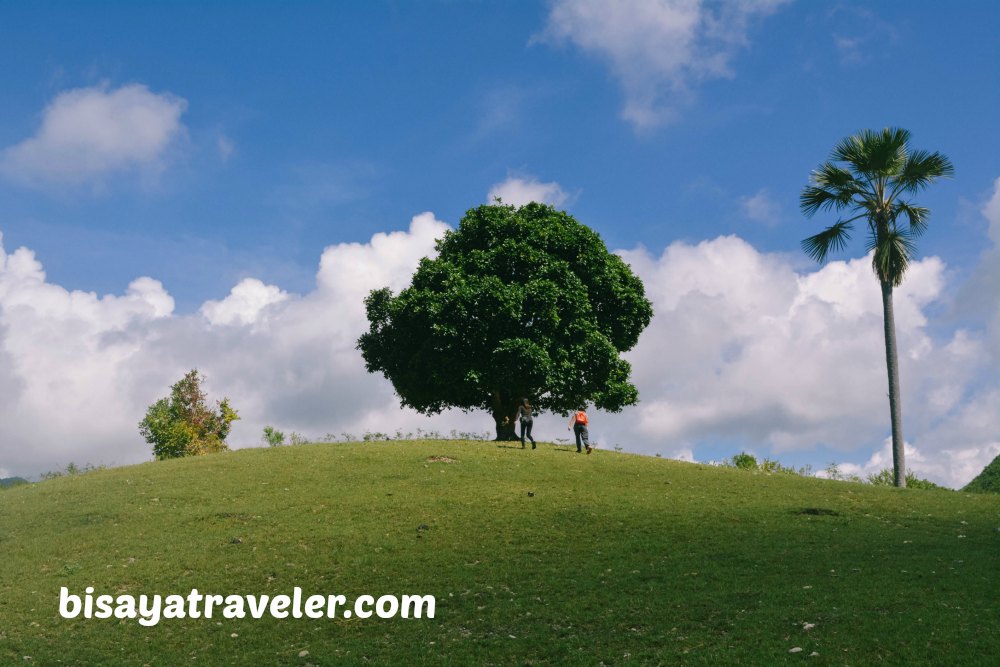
(578, 423)
(524, 415)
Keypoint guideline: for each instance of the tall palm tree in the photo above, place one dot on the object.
(868, 176)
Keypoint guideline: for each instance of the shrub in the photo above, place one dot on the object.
(273, 437)
(885, 477)
(744, 461)
(773, 466)
(71, 469)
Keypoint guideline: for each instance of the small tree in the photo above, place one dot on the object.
(183, 424)
(520, 302)
(273, 436)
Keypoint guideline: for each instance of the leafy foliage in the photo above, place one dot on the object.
(988, 481)
(885, 477)
(70, 470)
(744, 461)
(273, 437)
(184, 425)
(867, 175)
(519, 302)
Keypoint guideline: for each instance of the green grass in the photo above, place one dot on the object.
(615, 559)
(987, 481)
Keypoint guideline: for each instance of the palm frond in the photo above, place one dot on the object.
(889, 151)
(893, 251)
(831, 239)
(875, 153)
(815, 199)
(850, 150)
(833, 177)
(832, 188)
(920, 170)
(917, 216)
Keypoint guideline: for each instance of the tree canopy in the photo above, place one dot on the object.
(183, 424)
(519, 302)
(870, 175)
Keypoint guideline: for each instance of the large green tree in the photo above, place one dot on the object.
(870, 177)
(519, 302)
(183, 424)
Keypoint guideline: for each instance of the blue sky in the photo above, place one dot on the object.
(276, 132)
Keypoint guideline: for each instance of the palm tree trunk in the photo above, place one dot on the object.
(892, 367)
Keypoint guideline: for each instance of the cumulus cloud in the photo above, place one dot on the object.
(745, 351)
(87, 134)
(78, 370)
(657, 49)
(950, 467)
(244, 304)
(520, 190)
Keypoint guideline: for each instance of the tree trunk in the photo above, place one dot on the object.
(892, 367)
(505, 429)
(504, 414)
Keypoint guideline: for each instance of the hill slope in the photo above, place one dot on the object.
(535, 557)
(988, 481)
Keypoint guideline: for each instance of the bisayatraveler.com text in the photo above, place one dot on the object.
(150, 609)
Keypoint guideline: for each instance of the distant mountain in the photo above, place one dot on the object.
(7, 482)
(988, 481)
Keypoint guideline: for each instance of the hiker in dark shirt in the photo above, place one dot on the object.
(524, 414)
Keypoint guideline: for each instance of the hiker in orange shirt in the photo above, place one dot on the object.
(578, 422)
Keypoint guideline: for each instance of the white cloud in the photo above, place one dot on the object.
(658, 49)
(744, 351)
(244, 303)
(979, 298)
(991, 211)
(87, 134)
(520, 190)
(761, 208)
(952, 468)
(77, 371)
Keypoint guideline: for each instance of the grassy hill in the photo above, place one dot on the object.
(535, 557)
(8, 482)
(988, 481)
